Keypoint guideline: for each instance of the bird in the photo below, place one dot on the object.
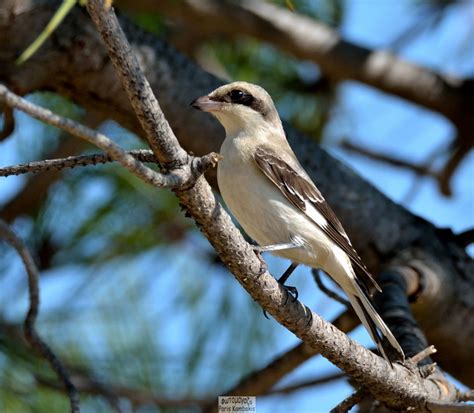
(278, 205)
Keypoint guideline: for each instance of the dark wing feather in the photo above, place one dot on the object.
(300, 190)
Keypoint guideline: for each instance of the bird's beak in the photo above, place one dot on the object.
(206, 104)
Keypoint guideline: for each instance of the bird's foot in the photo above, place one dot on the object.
(263, 264)
(290, 292)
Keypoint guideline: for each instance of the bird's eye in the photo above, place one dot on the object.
(236, 95)
(239, 96)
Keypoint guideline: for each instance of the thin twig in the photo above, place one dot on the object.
(113, 393)
(332, 294)
(31, 335)
(428, 370)
(427, 352)
(348, 403)
(420, 170)
(142, 155)
(175, 178)
(461, 148)
(466, 396)
(440, 407)
(309, 383)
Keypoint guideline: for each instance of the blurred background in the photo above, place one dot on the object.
(132, 295)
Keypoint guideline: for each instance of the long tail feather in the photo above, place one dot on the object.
(374, 323)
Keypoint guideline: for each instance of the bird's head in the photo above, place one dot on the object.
(240, 106)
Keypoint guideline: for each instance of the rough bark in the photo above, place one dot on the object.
(74, 63)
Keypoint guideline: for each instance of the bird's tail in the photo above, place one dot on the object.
(374, 323)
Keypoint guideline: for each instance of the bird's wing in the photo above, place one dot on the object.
(303, 194)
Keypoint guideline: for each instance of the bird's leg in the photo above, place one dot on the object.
(289, 289)
(282, 280)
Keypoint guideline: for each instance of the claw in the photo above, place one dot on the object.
(292, 291)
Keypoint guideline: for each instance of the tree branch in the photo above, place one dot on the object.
(31, 335)
(31, 196)
(142, 155)
(8, 122)
(112, 392)
(420, 170)
(308, 383)
(437, 407)
(393, 306)
(178, 177)
(348, 403)
(466, 238)
(331, 294)
(460, 149)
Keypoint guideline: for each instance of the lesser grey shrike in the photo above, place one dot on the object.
(276, 202)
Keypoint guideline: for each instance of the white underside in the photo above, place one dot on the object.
(269, 218)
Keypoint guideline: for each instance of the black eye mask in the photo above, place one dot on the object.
(241, 97)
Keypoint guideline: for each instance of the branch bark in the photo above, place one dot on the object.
(142, 155)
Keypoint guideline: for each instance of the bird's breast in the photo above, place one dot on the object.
(262, 210)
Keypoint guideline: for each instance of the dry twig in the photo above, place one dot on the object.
(348, 403)
(331, 294)
(177, 177)
(142, 155)
(31, 335)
